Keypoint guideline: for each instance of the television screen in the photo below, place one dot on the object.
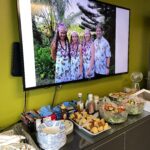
(72, 40)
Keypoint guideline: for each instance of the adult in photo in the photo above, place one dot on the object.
(88, 52)
(102, 52)
(76, 57)
(60, 52)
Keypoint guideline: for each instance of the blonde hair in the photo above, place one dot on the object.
(76, 33)
(87, 31)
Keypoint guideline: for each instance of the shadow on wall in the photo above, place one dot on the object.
(146, 45)
(147, 24)
(146, 39)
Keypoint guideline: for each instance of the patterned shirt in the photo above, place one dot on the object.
(102, 52)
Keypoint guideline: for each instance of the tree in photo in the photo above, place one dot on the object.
(97, 12)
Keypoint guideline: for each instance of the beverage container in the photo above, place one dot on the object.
(89, 97)
(80, 104)
(90, 104)
(96, 102)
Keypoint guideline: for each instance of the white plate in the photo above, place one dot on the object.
(68, 126)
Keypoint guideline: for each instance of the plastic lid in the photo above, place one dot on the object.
(96, 97)
(79, 94)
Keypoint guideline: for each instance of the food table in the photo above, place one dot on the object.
(130, 135)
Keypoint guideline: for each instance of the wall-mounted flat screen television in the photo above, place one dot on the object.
(66, 41)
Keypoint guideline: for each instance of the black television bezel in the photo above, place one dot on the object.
(75, 81)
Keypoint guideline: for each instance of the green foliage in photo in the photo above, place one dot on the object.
(45, 66)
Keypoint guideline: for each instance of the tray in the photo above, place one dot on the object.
(87, 131)
(118, 96)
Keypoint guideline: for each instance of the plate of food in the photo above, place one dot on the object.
(118, 96)
(89, 123)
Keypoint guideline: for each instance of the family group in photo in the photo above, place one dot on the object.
(77, 59)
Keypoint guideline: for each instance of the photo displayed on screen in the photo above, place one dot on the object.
(72, 40)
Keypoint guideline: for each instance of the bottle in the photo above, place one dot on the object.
(64, 112)
(80, 97)
(96, 102)
(90, 96)
(91, 104)
(80, 104)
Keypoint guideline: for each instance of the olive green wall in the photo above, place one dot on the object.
(11, 93)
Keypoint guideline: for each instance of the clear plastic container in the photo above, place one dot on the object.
(113, 113)
(134, 105)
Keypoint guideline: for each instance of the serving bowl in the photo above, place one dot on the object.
(113, 113)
